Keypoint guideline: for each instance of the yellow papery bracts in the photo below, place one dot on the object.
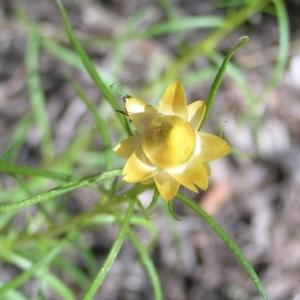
(166, 146)
(169, 141)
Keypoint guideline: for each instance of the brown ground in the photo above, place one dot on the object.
(256, 200)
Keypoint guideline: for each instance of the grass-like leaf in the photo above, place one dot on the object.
(20, 170)
(171, 211)
(17, 139)
(284, 43)
(62, 189)
(100, 123)
(64, 54)
(71, 270)
(89, 65)
(32, 270)
(13, 294)
(153, 202)
(148, 263)
(36, 94)
(92, 289)
(204, 46)
(182, 24)
(227, 240)
(219, 77)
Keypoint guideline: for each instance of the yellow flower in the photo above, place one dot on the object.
(166, 146)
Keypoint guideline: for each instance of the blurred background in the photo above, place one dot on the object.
(142, 46)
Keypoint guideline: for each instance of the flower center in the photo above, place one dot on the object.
(169, 141)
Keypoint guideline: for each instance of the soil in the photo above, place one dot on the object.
(255, 199)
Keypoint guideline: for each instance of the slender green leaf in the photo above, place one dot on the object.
(227, 240)
(198, 76)
(88, 257)
(20, 170)
(207, 44)
(26, 275)
(89, 65)
(37, 269)
(13, 295)
(62, 189)
(283, 51)
(18, 137)
(70, 57)
(171, 211)
(71, 270)
(219, 77)
(182, 24)
(62, 53)
(100, 123)
(236, 75)
(36, 94)
(153, 202)
(92, 289)
(60, 287)
(148, 263)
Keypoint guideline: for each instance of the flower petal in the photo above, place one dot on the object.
(127, 146)
(138, 167)
(166, 185)
(194, 173)
(134, 105)
(211, 147)
(207, 168)
(173, 101)
(147, 181)
(142, 119)
(196, 112)
(182, 178)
